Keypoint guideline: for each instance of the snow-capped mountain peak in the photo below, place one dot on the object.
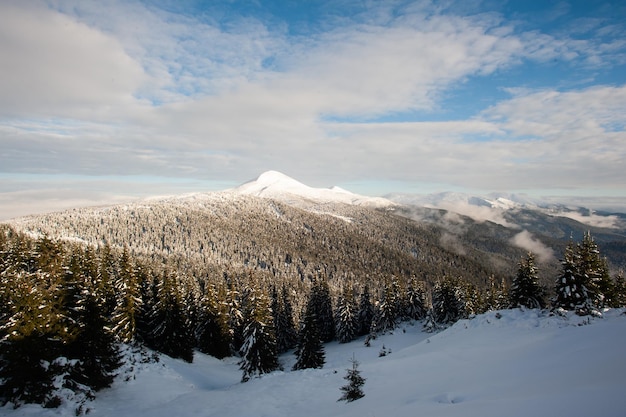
(276, 185)
(273, 183)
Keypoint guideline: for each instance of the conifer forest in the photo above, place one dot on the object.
(248, 278)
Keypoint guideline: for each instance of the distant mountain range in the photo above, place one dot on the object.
(259, 223)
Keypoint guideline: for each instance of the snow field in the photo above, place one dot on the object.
(506, 363)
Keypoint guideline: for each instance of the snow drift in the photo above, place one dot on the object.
(504, 363)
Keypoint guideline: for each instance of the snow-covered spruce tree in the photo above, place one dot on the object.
(259, 354)
(448, 303)
(366, 312)
(415, 306)
(322, 303)
(570, 289)
(430, 325)
(346, 317)
(35, 329)
(212, 332)
(496, 296)
(594, 272)
(31, 343)
(386, 312)
(309, 350)
(128, 300)
(525, 288)
(93, 351)
(171, 334)
(353, 390)
(282, 313)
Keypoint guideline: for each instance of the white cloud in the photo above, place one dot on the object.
(55, 66)
(526, 240)
(593, 219)
(124, 87)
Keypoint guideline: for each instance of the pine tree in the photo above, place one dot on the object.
(212, 332)
(366, 312)
(570, 289)
(322, 303)
(346, 318)
(309, 350)
(129, 301)
(353, 389)
(430, 325)
(259, 354)
(415, 308)
(525, 289)
(386, 312)
(171, 334)
(448, 304)
(282, 311)
(94, 349)
(619, 298)
(36, 328)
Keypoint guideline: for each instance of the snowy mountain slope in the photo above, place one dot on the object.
(507, 363)
(275, 185)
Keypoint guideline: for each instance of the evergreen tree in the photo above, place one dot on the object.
(430, 325)
(525, 289)
(94, 350)
(386, 312)
(415, 306)
(619, 298)
(448, 303)
(496, 297)
(259, 353)
(310, 350)
(286, 334)
(366, 312)
(171, 335)
(35, 331)
(346, 320)
(570, 290)
(353, 389)
(129, 301)
(322, 303)
(594, 273)
(212, 332)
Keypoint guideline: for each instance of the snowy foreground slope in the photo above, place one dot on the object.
(507, 363)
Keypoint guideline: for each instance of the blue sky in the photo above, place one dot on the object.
(113, 100)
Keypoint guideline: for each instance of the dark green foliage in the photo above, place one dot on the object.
(282, 312)
(584, 284)
(259, 354)
(415, 301)
(366, 312)
(346, 318)
(353, 389)
(448, 301)
(25, 368)
(322, 305)
(129, 303)
(310, 350)
(171, 334)
(571, 290)
(386, 312)
(93, 346)
(525, 288)
(212, 332)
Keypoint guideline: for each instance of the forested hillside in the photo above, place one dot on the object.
(209, 234)
(227, 274)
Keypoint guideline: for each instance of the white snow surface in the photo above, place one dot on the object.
(275, 185)
(506, 363)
